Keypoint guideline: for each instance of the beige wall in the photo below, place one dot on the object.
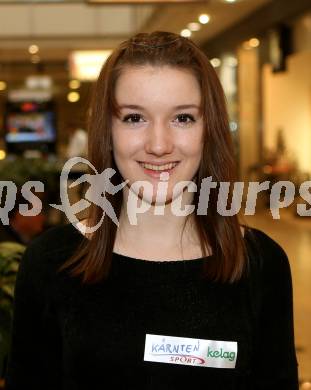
(249, 95)
(287, 105)
(302, 33)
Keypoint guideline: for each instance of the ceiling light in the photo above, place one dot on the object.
(2, 85)
(254, 42)
(230, 1)
(186, 33)
(74, 84)
(73, 97)
(33, 49)
(194, 26)
(86, 64)
(233, 126)
(2, 154)
(204, 18)
(215, 62)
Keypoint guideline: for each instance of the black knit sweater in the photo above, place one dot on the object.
(68, 336)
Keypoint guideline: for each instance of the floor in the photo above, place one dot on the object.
(293, 233)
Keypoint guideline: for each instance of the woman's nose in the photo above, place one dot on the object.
(159, 140)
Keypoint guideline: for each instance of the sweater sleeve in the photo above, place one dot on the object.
(275, 362)
(31, 365)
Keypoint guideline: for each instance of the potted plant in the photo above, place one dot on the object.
(10, 256)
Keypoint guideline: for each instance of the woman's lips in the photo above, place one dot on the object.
(156, 174)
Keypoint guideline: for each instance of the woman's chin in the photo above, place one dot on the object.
(154, 198)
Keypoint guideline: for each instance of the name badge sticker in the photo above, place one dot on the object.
(192, 352)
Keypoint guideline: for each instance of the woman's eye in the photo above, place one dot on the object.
(183, 118)
(132, 118)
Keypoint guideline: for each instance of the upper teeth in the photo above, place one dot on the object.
(159, 167)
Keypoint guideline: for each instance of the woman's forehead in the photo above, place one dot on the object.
(138, 85)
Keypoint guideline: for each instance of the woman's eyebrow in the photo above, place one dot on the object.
(137, 107)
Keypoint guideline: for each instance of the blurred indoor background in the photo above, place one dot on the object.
(50, 55)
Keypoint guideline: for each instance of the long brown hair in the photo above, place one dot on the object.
(222, 234)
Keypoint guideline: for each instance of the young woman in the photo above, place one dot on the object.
(174, 300)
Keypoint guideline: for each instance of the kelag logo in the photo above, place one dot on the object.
(220, 354)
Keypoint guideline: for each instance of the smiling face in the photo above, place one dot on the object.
(159, 124)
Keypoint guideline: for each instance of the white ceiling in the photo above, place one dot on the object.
(59, 28)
